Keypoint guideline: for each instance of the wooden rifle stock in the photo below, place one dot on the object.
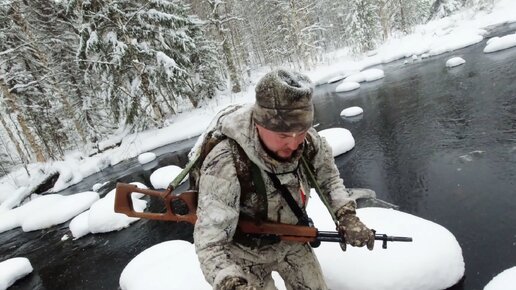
(286, 232)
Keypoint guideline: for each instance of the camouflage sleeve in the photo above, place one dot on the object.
(328, 176)
(217, 215)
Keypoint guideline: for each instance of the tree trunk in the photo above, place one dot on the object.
(10, 100)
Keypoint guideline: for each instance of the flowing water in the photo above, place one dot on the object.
(439, 142)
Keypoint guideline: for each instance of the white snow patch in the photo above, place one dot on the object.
(351, 112)
(146, 157)
(161, 178)
(98, 186)
(347, 86)
(367, 75)
(13, 269)
(340, 140)
(102, 218)
(432, 261)
(46, 211)
(503, 281)
(500, 43)
(455, 61)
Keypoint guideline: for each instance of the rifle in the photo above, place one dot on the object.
(285, 232)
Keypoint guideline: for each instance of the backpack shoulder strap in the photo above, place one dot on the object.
(251, 181)
(210, 141)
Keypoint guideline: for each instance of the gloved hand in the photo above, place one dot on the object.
(235, 283)
(352, 230)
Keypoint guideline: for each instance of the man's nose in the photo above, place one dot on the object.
(293, 144)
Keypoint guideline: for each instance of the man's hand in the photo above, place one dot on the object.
(352, 230)
(235, 283)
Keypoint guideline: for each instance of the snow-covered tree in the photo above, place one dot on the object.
(403, 15)
(363, 30)
(142, 58)
(443, 8)
(480, 4)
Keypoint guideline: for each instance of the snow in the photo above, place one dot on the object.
(340, 140)
(367, 75)
(436, 37)
(432, 261)
(168, 63)
(146, 157)
(455, 61)
(347, 86)
(46, 211)
(101, 217)
(161, 178)
(500, 43)
(12, 270)
(503, 281)
(336, 78)
(351, 112)
(98, 186)
(156, 268)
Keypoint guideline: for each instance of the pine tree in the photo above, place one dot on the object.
(443, 8)
(144, 57)
(363, 25)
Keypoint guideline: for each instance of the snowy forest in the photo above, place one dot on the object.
(74, 72)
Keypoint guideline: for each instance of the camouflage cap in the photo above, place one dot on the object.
(284, 102)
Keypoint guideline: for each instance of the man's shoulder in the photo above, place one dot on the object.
(220, 151)
(313, 140)
(219, 161)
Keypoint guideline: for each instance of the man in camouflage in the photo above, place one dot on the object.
(273, 134)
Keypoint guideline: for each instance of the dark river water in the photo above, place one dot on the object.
(439, 142)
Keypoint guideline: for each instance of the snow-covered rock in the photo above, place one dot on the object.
(455, 61)
(102, 218)
(46, 211)
(146, 157)
(500, 43)
(503, 281)
(367, 75)
(161, 178)
(351, 112)
(347, 86)
(13, 269)
(340, 140)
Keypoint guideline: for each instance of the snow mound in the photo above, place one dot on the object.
(500, 43)
(503, 281)
(347, 86)
(171, 265)
(432, 261)
(339, 139)
(367, 75)
(455, 61)
(102, 218)
(146, 157)
(161, 178)
(46, 211)
(13, 269)
(351, 112)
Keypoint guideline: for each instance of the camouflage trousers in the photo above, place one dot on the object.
(298, 267)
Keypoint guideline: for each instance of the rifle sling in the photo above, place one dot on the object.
(285, 193)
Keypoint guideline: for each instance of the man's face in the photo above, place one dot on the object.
(281, 144)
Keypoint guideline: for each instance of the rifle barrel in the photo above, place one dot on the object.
(325, 236)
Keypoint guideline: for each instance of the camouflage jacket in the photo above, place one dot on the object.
(219, 195)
